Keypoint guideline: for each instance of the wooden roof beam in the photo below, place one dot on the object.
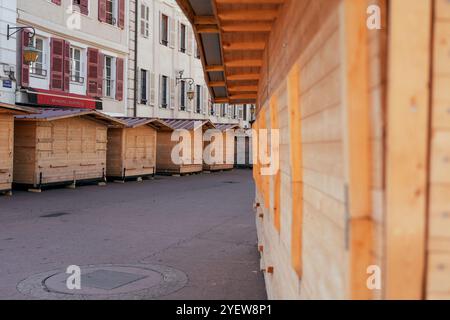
(246, 96)
(214, 68)
(244, 63)
(243, 88)
(200, 20)
(216, 84)
(247, 27)
(244, 77)
(241, 46)
(248, 15)
(208, 29)
(250, 1)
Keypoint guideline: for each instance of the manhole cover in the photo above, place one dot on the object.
(107, 282)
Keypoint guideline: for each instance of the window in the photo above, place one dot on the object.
(76, 65)
(183, 95)
(197, 50)
(38, 68)
(109, 77)
(145, 20)
(212, 110)
(111, 12)
(144, 77)
(223, 110)
(83, 5)
(164, 91)
(164, 30)
(198, 99)
(182, 37)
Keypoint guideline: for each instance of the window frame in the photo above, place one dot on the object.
(145, 20)
(143, 86)
(164, 30)
(164, 89)
(114, 13)
(109, 83)
(183, 38)
(198, 99)
(42, 57)
(77, 79)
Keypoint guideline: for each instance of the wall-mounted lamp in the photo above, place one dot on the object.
(30, 53)
(190, 93)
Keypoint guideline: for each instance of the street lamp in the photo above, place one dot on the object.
(190, 93)
(30, 53)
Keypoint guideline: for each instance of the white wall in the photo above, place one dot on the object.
(51, 20)
(159, 59)
(7, 51)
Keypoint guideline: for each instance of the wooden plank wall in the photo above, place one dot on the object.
(308, 254)
(164, 147)
(115, 152)
(24, 152)
(407, 147)
(438, 271)
(317, 55)
(377, 46)
(140, 151)
(6, 150)
(65, 150)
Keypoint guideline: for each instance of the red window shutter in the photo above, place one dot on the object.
(101, 63)
(84, 7)
(24, 67)
(56, 64)
(92, 83)
(119, 79)
(66, 66)
(121, 22)
(58, 2)
(102, 10)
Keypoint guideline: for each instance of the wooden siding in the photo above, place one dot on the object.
(438, 271)
(131, 152)
(63, 150)
(164, 147)
(6, 150)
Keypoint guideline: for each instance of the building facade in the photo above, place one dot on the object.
(83, 49)
(162, 48)
(7, 52)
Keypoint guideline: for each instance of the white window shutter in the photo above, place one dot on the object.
(172, 93)
(179, 33)
(205, 99)
(138, 91)
(160, 28)
(189, 41)
(172, 32)
(152, 96)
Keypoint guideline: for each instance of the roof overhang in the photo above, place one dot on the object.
(53, 114)
(15, 109)
(155, 123)
(232, 36)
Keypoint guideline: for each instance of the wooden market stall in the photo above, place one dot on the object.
(222, 157)
(132, 149)
(180, 150)
(7, 113)
(356, 206)
(60, 146)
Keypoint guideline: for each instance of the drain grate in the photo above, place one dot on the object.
(55, 215)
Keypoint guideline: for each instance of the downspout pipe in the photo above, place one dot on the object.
(136, 73)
